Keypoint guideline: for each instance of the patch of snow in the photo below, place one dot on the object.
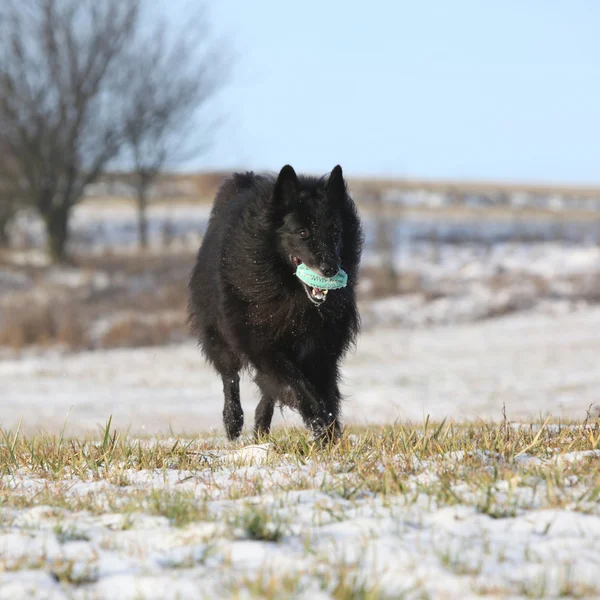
(570, 457)
(528, 460)
(255, 454)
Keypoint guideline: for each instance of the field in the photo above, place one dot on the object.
(502, 500)
(470, 464)
(439, 510)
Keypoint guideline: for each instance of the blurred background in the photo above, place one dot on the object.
(468, 132)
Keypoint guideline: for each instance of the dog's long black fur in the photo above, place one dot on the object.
(248, 308)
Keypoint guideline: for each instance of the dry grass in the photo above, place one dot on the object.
(143, 303)
(375, 460)
(495, 469)
(44, 325)
(136, 332)
(69, 326)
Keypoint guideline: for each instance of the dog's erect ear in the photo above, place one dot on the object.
(336, 186)
(286, 186)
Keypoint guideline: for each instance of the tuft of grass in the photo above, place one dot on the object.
(257, 524)
(348, 586)
(181, 508)
(55, 457)
(568, 586)
(341, 583)
(68, 533)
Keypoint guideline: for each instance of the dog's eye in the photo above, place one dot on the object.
(304, 234)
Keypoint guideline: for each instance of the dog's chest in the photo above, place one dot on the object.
(300, 333)
(309, 339)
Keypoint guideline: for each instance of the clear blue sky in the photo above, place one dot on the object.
(478, 89)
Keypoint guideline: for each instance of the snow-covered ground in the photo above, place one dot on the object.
(535, 362)
(309, 534)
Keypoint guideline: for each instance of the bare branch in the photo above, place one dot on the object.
(87, 83)
(59, 64)
(170, 86)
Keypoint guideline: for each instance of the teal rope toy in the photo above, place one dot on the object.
(314, 280)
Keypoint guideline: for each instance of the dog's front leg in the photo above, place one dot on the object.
(325, 378)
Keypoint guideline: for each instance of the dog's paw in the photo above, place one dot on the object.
(326, 435)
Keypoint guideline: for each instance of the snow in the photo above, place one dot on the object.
(412, 544)
(254, 454)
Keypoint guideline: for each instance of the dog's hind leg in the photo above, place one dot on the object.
(228, 365)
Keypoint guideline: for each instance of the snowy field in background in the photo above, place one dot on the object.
(111, 225)
(537, 363)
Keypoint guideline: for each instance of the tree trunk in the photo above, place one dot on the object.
(385, 244)
(142, 202)
(4, 234)
(7, 213)
(57, 233)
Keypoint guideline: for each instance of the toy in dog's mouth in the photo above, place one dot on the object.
(315, 285)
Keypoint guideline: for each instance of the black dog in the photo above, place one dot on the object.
(249, 309)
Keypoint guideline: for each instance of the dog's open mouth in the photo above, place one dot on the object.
(315, 295)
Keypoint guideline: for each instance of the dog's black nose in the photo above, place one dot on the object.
(328, 270)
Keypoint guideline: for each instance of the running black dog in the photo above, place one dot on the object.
(249, 309)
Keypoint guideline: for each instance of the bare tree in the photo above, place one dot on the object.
(169, 87)
(61, 64)
(385, 243)
(8, 197)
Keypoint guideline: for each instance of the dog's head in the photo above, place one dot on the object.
(309, 223)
